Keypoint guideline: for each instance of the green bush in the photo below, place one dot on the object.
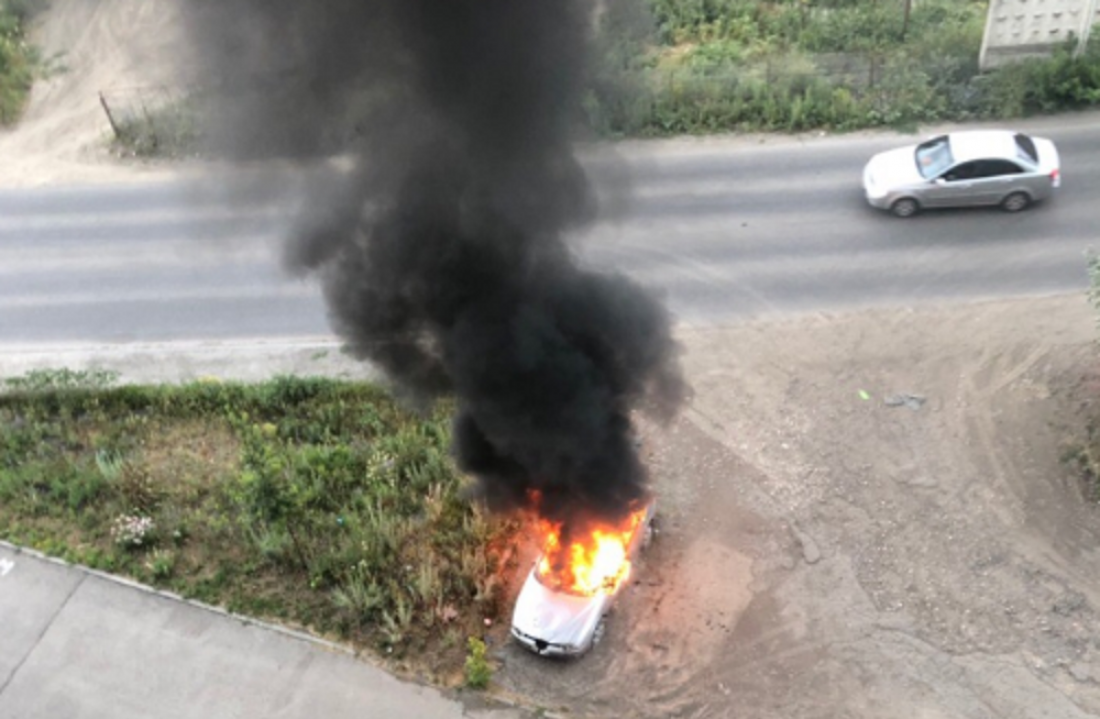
(724, 65)
(1046, 85)
(863, 27)
(19, 61)
(478, 671)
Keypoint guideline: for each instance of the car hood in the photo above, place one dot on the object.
(555, 617)
(894, 168)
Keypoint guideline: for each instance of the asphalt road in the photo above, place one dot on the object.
(726, 229)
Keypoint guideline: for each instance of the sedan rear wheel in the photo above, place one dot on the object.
(905, 207)
(1015, 202)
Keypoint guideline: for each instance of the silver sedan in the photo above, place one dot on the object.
(964, 169)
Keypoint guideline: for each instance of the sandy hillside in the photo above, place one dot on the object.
(101, 45)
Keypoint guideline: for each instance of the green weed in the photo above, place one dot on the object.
(478, 670)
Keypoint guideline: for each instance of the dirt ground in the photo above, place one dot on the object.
(827, 550)
(826, 555)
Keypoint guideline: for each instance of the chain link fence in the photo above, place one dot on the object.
(155, 120)
(784, 93)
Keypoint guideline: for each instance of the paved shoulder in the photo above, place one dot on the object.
(77, 644)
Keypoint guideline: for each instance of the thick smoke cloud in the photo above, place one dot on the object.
(442, 252)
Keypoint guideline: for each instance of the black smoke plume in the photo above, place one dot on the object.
(442, 249)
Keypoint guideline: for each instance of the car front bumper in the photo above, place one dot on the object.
(875, 198)
(544, 648)
(881, 202)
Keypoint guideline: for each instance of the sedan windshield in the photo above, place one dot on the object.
(933, 157)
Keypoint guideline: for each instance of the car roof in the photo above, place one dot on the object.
(983, 144)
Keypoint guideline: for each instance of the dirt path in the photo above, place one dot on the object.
(824, 555)
(97, 45)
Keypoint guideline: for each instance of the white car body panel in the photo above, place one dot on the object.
(554, 623)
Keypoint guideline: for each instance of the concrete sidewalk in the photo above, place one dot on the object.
(77, 644)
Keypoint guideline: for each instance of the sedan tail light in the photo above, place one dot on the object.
(1056, 177)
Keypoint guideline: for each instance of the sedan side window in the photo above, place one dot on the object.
(958, 173)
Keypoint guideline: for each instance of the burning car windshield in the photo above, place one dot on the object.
(594, 562)
(555, 582)
(933, 157)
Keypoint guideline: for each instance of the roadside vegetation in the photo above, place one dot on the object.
(702, 66)
(169, 131)
(19, 61)
(311, 502)
(671, 67)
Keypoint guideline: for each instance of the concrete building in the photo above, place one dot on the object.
(1017, 29)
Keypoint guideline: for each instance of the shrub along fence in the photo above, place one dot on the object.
(785, 91)
(154, 120)
(839, 91)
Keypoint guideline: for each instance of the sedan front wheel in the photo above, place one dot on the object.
(1015, 202)
(905, 207)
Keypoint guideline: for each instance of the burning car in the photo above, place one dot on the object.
(561, 608)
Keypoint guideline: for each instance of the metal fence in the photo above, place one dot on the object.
(855, 71)
(129, 106)
(156, 120)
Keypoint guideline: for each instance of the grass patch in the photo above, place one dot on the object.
(313, 502)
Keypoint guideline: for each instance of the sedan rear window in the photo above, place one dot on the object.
(1025, 148)
(934, 156)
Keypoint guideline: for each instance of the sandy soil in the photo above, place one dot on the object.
(825, 555)
(821, 554)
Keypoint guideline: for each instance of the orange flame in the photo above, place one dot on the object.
(596, 562)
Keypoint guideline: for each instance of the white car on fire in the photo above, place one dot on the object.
(561, 613)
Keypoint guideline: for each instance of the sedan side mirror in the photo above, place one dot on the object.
(940, 181)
